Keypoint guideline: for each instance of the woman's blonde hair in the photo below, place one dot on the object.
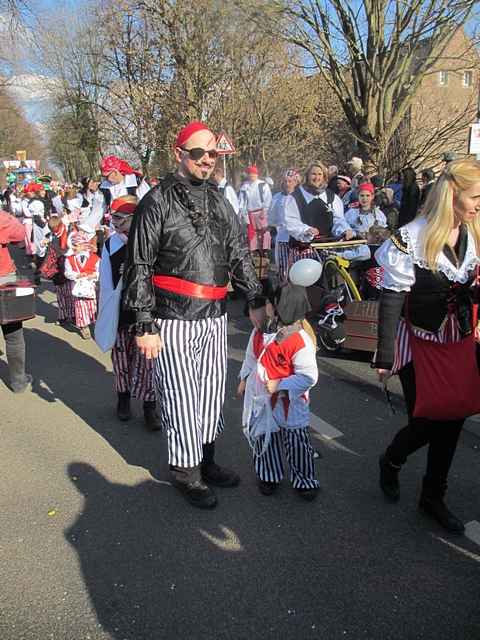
(320, 165)
(439, 211)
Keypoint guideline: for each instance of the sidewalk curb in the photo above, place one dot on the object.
(472, 425)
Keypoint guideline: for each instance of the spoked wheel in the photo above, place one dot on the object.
(334, 277)
(327, 341)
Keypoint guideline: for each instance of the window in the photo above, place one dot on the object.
(468, 78)
(443, 78)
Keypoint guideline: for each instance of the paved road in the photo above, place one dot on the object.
(95, 544)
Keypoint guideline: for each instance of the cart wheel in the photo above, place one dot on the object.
(328, 342)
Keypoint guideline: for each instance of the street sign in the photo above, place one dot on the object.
(225, 145)
(474, 145)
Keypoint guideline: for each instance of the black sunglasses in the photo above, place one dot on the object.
(197, 153)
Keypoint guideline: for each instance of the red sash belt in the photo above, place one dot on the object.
(191, 289)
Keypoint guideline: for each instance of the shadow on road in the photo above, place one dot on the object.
(63, 373)
(155, 568)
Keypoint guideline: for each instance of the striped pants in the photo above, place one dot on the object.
(294, 254)
(190, 376)
(132, 372)
(85, 311)
(65, 301)
(299, 454)
(281, 260)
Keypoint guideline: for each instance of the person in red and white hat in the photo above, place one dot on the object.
(255, 198)
(120, 179)
(82, 269)
(184, 246)
(133, 374)
(33, 192)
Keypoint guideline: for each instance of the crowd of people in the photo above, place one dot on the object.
(160, 258)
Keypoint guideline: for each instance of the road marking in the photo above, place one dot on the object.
(472, 531)
(324, 429)
(229, 542)
(327, 434)
(468, 554)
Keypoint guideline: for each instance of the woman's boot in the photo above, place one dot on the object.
(431, 503)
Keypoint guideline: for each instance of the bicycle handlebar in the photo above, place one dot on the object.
(335, 243)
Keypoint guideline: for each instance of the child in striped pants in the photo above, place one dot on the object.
(279, 369)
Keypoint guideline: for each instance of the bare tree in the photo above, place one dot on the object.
(373, 54)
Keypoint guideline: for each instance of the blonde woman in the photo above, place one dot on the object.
(313, 210)
(426, 332)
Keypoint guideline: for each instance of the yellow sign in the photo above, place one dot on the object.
(21, 155)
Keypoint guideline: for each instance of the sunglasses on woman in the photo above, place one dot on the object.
(197, 153)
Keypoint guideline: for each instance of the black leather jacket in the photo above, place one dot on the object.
(186, 230)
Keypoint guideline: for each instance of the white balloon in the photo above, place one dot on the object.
(305, 272)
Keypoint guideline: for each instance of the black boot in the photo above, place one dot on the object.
(188, 481)
(431, 503)
(152, 421)
(214, 474)
(123, 407)
(389, 479)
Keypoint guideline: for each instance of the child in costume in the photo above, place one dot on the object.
(133, 373)
(279, 369)
(367, 220)
(63, 287)
(82, 270)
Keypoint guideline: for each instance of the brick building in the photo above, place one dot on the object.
(445, 105)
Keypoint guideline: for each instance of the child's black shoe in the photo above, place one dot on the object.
(267, 488)
(308, 494)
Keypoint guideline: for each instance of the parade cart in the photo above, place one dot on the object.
(357, 328)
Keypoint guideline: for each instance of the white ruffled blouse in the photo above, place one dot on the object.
(399, 267)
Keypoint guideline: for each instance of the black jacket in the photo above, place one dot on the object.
(189, 231)
(409, 205)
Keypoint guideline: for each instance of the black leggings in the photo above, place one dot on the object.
(441, 437)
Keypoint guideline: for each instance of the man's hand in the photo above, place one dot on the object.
(272, 385)
(384, 375)
(349, 234)
(241, 388)
(149, 345)
(477, 332)
(257, 317)
(314, 231)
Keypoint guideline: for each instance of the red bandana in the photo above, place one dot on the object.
(112, 163)
(188, 131)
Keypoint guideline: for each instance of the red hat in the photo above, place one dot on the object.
(188, 131)
(33, 187)
(124, 204)
(112, 163)
(346, 179)
(366, 186)
(252, 170)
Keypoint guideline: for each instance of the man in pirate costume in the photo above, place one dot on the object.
(184, 245)
(133, 374)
